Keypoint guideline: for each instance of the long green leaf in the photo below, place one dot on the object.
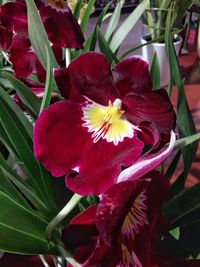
(182, 204)
(77, 9)
(114, 20)
(182, 142)
(49, 83)
(84, 21)
(155, 73)
(22, 231)
(185, 121)
(105, 49)
(7, 187)
(22, 186)
(28, 98)
(21, 146)
(127, 25)
(38, 36)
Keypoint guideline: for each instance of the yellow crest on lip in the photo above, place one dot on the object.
(107, 122)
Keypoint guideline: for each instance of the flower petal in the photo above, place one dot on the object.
(102, 164)
(147, 163)
(5, 38)
(122, 211)
(21, 48)
(91, 76)
(14, 17)
(153, 107)
(132, 75)
(60, 141)
(62, 28)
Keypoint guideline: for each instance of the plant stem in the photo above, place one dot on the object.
(62, 214)
(67, 256)
(67, 57)
(43, 260)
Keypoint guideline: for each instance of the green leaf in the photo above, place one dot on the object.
(77, 9)
(185, 121)
(175, 233)
(7, 187)
(38, 36)
(188, 244)
(127, 25)
(114, 20)
(90, 43)
(22, 231)
(172, 167)
(22, 147)
(22, 143)
(48, 84)
(182, 204)
(22, 186)
(155, 73)
(182, 142)
(105, 49)
(29, 99)
(84, 21)
(93, 37)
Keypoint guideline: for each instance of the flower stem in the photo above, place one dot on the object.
(62, 214)
(67, 57)
(43, 260)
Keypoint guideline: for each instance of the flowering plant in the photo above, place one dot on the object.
(93, 119)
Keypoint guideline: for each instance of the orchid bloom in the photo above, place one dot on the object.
(62, 28)
(104, 125)
(13, 19)
(125, 226)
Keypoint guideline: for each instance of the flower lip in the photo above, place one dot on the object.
(107, 122)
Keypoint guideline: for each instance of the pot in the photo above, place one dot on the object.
(148, 52)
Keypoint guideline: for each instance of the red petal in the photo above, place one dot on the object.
(102, 164)
(14, 17)
(63, 82)
(21, 48)
(91, 76)
(115, 205)
(60, 141)
(132, 75)
(153, 107)
(62, 28)
(5, 38)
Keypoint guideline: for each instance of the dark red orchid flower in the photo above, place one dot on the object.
(62, 28)
(103, 127)
(124, 228)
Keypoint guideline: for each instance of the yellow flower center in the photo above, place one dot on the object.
(107, 122)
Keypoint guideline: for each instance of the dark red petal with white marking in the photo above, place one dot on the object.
(132, 75)
(91, 76)
(122, 211)
(102, 164)
(60, 141)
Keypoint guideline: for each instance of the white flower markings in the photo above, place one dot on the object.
(107, 122)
